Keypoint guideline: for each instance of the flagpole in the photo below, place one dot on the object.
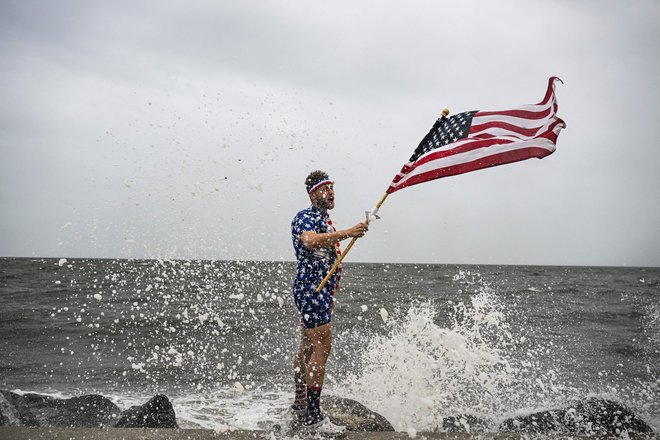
(444, 114)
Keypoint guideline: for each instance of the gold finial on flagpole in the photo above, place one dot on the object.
(445, 112)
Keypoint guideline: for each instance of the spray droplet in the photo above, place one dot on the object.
(384, 314)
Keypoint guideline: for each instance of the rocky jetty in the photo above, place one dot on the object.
(591, 416)
(585, 417)
(90, 411)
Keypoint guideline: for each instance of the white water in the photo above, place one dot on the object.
(223, 410)
(219, 410)
(429, 367)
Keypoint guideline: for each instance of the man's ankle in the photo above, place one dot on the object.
(314, 414)
(300, 396)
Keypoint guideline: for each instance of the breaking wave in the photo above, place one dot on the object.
(468, 362)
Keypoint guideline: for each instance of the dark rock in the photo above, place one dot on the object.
(91, 411)
(9, 415)
(156, 413)
(464, 423)
(540, 422)
(590, 416)
(35, 410)
(353, 415)
(16, 411)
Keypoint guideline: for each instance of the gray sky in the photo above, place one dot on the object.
(186, 129)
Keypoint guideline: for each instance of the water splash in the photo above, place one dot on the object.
(192, 325)
(430, 367)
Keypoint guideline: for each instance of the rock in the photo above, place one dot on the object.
(91, 411)
(353, 415)
(156, 413)
(464, 423)
(540, 422)
(35, 410)
(591, 416)
(9, 416)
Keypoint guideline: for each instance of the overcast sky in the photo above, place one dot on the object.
(185, 129)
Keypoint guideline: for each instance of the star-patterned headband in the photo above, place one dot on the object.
(317, 185)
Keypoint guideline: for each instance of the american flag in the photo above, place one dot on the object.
(474, 140)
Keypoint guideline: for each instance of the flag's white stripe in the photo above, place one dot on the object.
(473, 155)
(502, 133)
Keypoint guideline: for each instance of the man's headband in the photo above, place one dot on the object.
(318, 185)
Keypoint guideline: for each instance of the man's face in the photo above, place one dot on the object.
(324, 197)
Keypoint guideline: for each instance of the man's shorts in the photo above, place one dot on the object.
(315, 308)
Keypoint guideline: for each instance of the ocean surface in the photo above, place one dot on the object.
(415, 343)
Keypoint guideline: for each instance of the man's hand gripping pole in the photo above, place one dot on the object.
(371, 215)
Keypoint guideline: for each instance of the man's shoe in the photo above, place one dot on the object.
(326, 427)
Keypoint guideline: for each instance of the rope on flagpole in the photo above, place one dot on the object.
(334, 267)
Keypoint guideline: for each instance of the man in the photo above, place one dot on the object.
(316, 243)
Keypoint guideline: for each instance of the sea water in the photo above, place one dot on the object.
(415, 343)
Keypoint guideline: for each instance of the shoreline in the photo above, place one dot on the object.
(23, 433)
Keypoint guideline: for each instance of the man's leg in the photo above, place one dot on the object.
(320, 339)
(300, 370)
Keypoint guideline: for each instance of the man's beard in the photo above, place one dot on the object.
(326, 204)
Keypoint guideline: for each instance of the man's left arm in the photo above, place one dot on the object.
(314, 240)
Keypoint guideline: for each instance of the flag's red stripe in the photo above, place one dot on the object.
(551, 135)
(439, 154)
(485, 162)
(550, 90)
(484, 136)
(468, 146)
(526, 114)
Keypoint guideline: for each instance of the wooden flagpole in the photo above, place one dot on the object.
(445, 113)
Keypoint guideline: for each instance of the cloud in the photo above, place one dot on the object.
(213, 113)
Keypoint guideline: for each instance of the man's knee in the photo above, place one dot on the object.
(321, 339)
